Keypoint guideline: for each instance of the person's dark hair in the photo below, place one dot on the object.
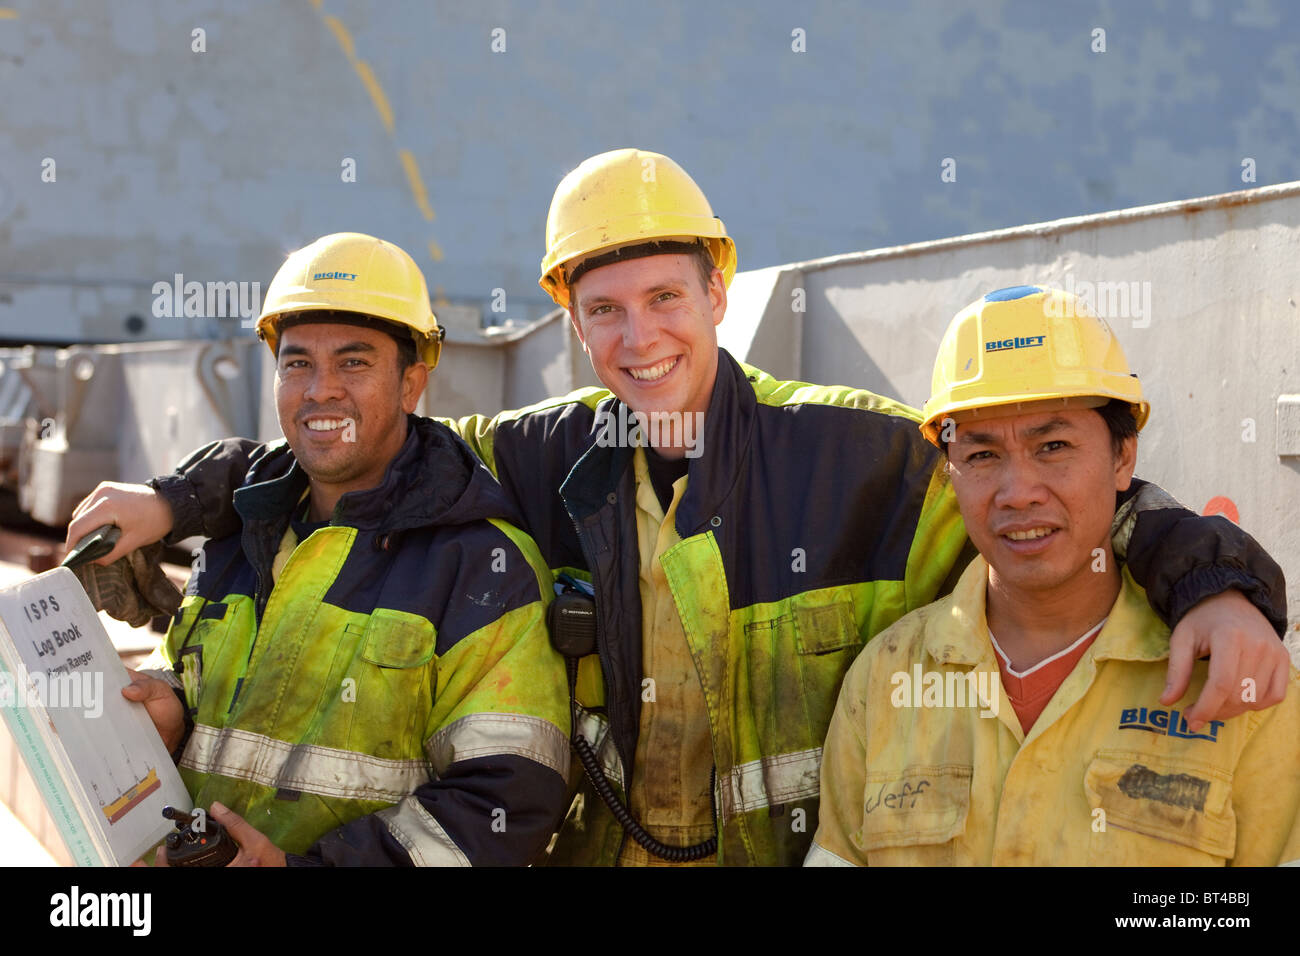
(1119, 419)
(405, 343)
(699, 251)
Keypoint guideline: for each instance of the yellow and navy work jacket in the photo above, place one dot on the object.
(813, 518)
(927, 764)
(393, 697)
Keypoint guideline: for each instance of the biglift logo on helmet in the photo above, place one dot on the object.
(1023, 342)
(323, 276)
(995, 354)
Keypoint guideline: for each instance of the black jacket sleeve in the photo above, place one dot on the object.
(464, 803)
(1180, 557)
(201, 490)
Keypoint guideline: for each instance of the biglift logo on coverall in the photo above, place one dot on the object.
(1167, 723)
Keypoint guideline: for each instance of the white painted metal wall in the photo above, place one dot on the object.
(1218, 351)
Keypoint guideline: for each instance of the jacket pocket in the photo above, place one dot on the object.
(828, 641)
(398, 639)
(211, 642)
(396, 681)
(792, 668)
(912, 816)
(1159, 811)
(189, 657)
(821, 630)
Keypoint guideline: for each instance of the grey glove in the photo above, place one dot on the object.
(132, 589)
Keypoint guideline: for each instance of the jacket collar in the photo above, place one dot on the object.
(1132, 632)
(713, 476)
(728, 427)
(434, 479)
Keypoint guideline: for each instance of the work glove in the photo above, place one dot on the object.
(132, 589)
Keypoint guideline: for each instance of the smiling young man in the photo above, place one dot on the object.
(1086, 766)
(369, 648)
(648, 330)
(737, 565)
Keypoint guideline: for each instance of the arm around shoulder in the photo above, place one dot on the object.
(1180, 557)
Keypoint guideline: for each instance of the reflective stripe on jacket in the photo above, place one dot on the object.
(936, 775)
(397, 679)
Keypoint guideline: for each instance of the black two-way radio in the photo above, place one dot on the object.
(198, 840)
(571, 619)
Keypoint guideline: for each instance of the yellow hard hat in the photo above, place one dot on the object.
(352, 272)
(623, 197)
(1027, 344)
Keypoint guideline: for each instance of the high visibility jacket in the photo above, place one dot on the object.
(1107, 775)
(814, 518)
(397, 679)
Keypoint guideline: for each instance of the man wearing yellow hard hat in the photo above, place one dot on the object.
(737, 538)
(1063, 754)
(337, 686)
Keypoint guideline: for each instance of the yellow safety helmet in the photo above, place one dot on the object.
(352, 272)
(623, 197)
(1027, 344)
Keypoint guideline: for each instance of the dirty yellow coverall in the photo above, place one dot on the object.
(1106, 775)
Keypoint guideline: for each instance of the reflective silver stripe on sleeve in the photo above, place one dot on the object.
(492, 735)
(421, 835)
(324, 771)
(770, 781)
(820, 856)
(595, 729)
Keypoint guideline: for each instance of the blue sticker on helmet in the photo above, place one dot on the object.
(1012, 292)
